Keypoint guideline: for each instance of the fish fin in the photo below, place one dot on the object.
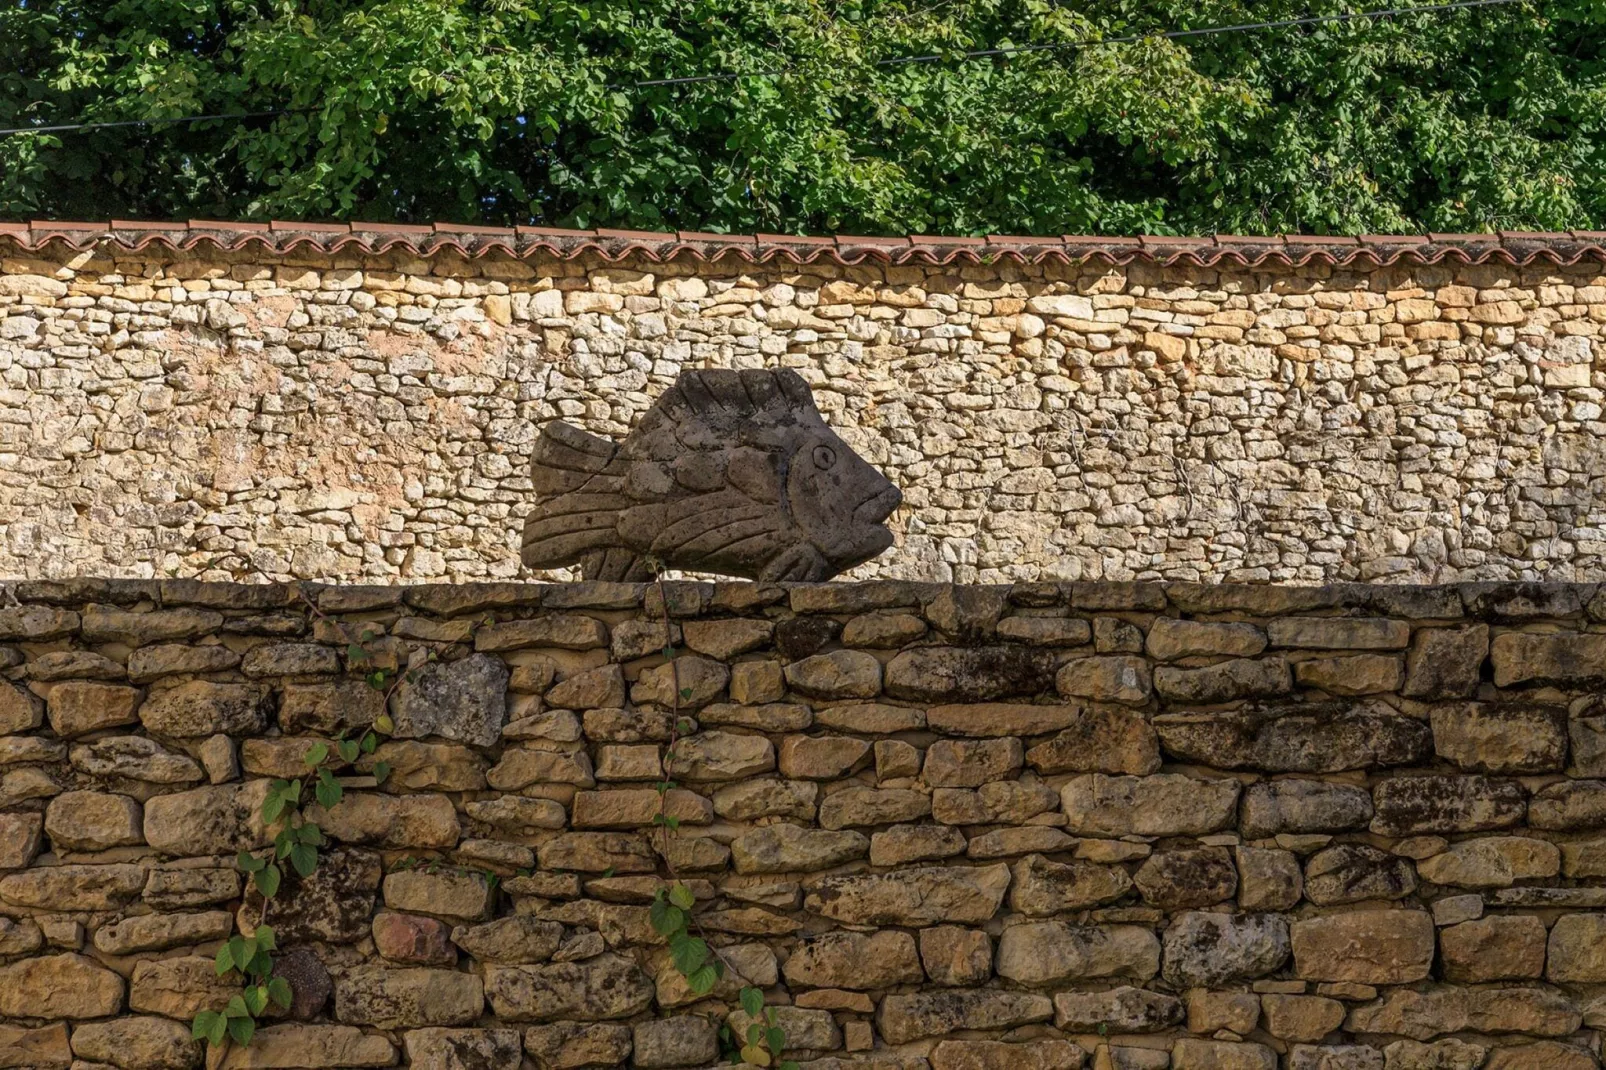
(565, 457)
(615, 564)
(801, 564)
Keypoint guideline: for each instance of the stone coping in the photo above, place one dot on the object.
(1225, 250)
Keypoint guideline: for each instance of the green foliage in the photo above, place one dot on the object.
(504, 111)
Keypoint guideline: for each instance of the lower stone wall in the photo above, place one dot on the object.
(1121, 826)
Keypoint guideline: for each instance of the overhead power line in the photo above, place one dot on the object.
(894, 61)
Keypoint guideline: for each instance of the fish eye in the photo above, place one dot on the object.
(824, 457)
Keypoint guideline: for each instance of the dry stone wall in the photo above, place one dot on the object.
(1043, 826)
(368, 416)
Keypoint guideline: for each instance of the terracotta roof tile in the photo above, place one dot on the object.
(1226, 250)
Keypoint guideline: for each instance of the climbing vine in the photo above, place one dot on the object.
(672, 913)
(296, 844)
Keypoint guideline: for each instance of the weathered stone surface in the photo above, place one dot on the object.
(1366, 947)
(1424, 1013)
(76, 708)
(445, 893)
(92, 821)
(765, 797)
(1041, 887)
(638, 807)
(171, 659)
(1354, 873)
(857, 806)
(212, 820)
(1339, 633)
(855, 961)
(137, 1043)
(841, 674)
(690, 683)
(952, 763)
(41, 1048)
(1407, 806)
(1525, 657)
(563, 631)
(721, 756)
(134, 758)
(599, 688)
(204, 708)
(969, 674)
(913, 897)
(19, 710)
(1501, 738)
(1440, 1055)
(541, 762)
(74, 887)
(403, 998)
(688, 1040)
(1492, 862)
(157, 932)
(595, 852)
(1117, 1010)
(1187, 878)
(956, 956)
(1570, 804)
(784, 848)
(1115, 678)
(1446, 663)
(902, 844)
(1051, 952)
(1191, 1053)
(1268, 879)
(518, 816)
(571, 1045)
(1165, 804)
(1357, 674)
(517, 939)
(1100, 739)
(20, 836)
(904, 1018)
(367, 819)
(1170, 639)
(1271, 807)
(606, 987)
(465, 1049)
(329, 707)
(180, 987)
(59, 986)
(1299, 738)
(464, 701)
(1210, 950)
(1502, 948)
(1550, 1054)
(999, 1055)
(310, 1047)
(1224, 681)
(332, 905)
(1000, 802)
(1576, 952)
(822, 757)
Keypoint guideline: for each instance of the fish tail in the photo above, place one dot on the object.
(572, 522)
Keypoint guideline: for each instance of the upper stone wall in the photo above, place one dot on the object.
(341, 413)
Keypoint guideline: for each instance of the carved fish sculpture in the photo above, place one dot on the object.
(731, 472)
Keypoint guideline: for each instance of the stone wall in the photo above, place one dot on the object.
(1121, 826)
(346, 414)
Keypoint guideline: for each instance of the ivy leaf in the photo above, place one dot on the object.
(369, 742)
(775, 1039)
(266, 938)
(381, 772)
(316, 754)
(248, 862)
(664, 918)
(349, 749)
(702, 980)
(688, 953)
(225, 960)
(235, 1008)
(256, 999)
(279, 991)
(328, 790)
(755, 1034)
(304, 857)
(241, 1030)
(267, 881)
(682, 897)
(752, 1001)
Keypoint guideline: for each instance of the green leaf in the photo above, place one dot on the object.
(241, 1030)
(202, 1028)
(688, 953)
(224, 960)
(610, 871)
(248, 862)
(775, 1039)
(279, 991)
(788, 1065)
(316, 754)
(256, 999)
(328, 790)
(349, 749)
(310, 834)
(381, 772)
(665, 919)
(702, 980)
(682, 897)
(369, 742)
(267, 881)
(236, 1008)
(266, 938)
(755, 1034)
(752, 1001)
(304, 857)
(685, 693)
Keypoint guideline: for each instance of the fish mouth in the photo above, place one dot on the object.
(876, 508)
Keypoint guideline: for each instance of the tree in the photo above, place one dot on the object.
(502, 111)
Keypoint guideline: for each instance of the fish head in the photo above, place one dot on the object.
(838, 500)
